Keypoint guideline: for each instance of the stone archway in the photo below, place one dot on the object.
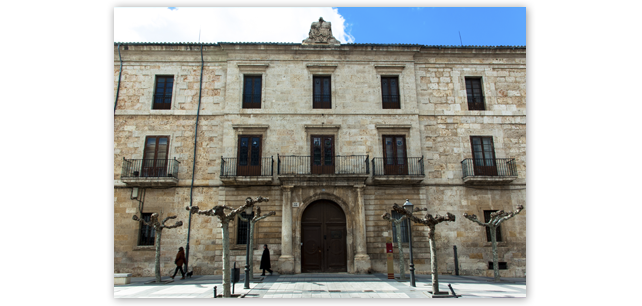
(323, 237)
(298, 228)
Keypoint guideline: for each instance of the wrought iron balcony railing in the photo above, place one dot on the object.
(149, 168)
(488, 167)
(398, 166)
(304, 165)
(231, 167)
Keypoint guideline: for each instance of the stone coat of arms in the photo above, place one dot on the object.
(321, 33)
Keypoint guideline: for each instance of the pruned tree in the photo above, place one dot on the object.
(431, 222)
(496, 218)
(158, 230)
(219, 212)
(257, 218)
(397, 224)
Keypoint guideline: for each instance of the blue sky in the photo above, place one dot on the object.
(437, 25)
(407, 25)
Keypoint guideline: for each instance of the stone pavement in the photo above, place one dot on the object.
(331, 285)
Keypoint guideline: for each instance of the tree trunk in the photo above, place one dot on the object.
(433, 261)
(402, 263)
(226, 260)
(251, 242)
(493, 239)
(157, 242)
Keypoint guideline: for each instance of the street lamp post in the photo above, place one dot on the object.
(248, 212)
(408, 207)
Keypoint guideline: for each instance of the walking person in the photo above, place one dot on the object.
(179, 261)
(265, 260)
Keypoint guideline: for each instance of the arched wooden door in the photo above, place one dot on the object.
(323, 235)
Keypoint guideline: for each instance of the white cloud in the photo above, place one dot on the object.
(223, 24)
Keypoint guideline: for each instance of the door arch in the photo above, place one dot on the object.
(323, 237)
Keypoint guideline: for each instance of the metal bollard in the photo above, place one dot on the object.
(453, 291)
(214, 291)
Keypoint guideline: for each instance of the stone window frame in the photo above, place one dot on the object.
(174, 93)
(390, 71)
(140, 154)
(322, 129)
(392, 129)
(321, 70)
(462, 99)
(253, 70)
(234, 234)
(150, 85)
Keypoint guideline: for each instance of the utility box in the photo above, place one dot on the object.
(236, 274)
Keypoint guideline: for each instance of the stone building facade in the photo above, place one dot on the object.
(333, 134)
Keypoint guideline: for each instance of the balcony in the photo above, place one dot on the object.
(150, 172)
(402, 170)
(250, 173)
(497, 171)
(326, 170)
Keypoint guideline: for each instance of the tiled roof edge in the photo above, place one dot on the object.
(294, 44)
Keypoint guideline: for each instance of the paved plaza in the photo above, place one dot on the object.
(335, 285)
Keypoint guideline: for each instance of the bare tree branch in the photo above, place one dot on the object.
(509, 215)
(474, 219)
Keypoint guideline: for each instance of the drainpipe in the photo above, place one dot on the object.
(119, 74)
(198, 110)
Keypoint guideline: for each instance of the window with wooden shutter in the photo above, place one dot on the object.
(474, 94)
(390, 92)
(155, 156)
(163, 92)
(252, 91)
(483, 155)
(394, 155)
(322, 93)
(249, 155)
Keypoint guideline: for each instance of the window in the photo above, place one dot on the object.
(155, 156)
(322, 97)
(146, 233)
(252, 92)
(394, 155)
(498, 233)
(322, 148)
(483, 155)
(390, 92)
(249, 155)
(243, 227)
(163, 92)
(404, 228)
(474, 94)
(501, 265)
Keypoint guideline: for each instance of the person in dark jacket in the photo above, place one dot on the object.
(265, 260)
(179, 261)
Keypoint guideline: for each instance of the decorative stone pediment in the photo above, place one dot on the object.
(321, 34)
